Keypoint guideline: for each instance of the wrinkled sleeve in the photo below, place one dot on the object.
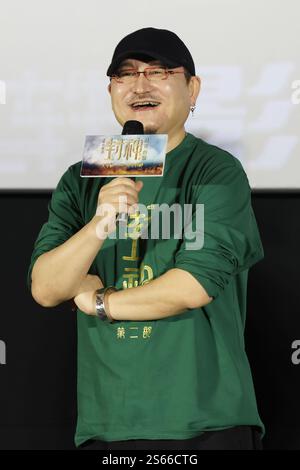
(231, 239)
(64, 220)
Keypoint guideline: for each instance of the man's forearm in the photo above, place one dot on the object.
(57, 274)
(170, 294)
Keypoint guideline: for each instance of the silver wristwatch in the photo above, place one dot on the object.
(101, 311)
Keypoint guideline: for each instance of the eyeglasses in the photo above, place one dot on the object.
(153, 74)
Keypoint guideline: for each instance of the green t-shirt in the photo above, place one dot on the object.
(175, 377)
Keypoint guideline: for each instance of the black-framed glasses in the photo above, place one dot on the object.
(153, 74)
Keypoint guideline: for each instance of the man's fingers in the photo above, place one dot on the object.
(121, 180)
(119, 190)
(138, 185)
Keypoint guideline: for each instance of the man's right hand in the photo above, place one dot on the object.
(117, 196)
(85, 294)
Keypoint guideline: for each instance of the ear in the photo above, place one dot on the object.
(194, 87)
(109, 88)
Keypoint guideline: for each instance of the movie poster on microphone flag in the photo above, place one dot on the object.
(124, 155)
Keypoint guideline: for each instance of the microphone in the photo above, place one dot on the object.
(130, 128)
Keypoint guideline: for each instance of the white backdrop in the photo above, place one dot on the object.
(53, 86)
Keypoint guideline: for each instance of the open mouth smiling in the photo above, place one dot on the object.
(144, 105)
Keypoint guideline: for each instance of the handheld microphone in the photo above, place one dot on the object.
(130, 128)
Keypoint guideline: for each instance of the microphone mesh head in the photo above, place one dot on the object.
(133, 127)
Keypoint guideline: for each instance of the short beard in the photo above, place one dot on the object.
(150, 130)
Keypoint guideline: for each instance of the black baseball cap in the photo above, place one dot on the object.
(153, 43)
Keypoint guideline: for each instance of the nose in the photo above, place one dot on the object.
(141, 84)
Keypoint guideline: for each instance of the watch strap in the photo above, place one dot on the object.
(101, 308)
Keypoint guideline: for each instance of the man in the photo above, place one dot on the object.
(171, 370)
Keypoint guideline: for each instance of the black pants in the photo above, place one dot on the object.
(236, 438)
